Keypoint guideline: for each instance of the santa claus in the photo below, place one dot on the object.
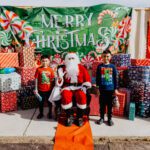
(76, 80)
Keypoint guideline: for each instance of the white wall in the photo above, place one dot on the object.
(73, 3)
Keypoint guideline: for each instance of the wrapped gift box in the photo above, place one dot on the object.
(139, 73)
(137, 90)
(143, 108)
(120, 60)
(132, 111)
(121, 110)
(140, 62)
(127, 101)
(10, 82)
(147, 91)
(94, 105)
(27, 76)
(122, 76)
(26, 97)
(9, 60)
(26, 57)
(8, 101)
(29, 102)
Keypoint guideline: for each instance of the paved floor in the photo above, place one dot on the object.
(24, 123)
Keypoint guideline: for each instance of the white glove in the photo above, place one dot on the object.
(60, 73)
(83, 89)
(37, 95)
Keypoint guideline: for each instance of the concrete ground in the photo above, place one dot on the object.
(24, 123)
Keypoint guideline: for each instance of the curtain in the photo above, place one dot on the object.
(138, 35)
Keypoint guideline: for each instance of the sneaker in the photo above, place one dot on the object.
(69, 121)
(100, 121)
(80, 122)
(40, 116)
(49, 116)
(110, 122)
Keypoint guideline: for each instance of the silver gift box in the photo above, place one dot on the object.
(10, 82)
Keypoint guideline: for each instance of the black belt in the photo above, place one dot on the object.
(72, 84)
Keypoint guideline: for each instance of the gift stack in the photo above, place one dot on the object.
(10, 81)
(132, 111)
(139, 77)
(27, 71)
(121, 61)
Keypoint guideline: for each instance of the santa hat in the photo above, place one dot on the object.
(72, 55)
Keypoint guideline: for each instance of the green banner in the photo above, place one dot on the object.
(85, 30)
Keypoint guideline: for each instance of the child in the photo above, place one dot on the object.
(106, 78)
(44, 77)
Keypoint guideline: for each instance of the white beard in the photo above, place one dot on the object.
(72, 71)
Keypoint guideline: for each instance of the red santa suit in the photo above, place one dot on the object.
(76, 87)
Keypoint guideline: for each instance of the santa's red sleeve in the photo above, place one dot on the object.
(87, 78)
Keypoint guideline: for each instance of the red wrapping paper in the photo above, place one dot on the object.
(26, 57)
(27, 76)
(8, 101)
(121, 110)
(94, 105)
(94, 68)
(140, 62)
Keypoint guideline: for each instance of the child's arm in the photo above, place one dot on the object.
(36, 87)
(36, 91)
(115, 80)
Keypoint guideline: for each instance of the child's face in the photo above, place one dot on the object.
(45, 62)
(106, 58)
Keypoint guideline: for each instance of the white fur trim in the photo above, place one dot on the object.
(74, 55)
(88, 84)
(61, 83)
(67, 106)
(72, 88)
(81, 106)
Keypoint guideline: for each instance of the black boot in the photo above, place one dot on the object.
(57, 109)
(70, 119)
(80, 113)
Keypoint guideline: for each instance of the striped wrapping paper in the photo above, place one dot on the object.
(121, 60)
(26, 57)
(137, 90)
(8, 101)
(9, 60)
(27, 75)
(140, 62)
(10, 82)
(139, 73)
